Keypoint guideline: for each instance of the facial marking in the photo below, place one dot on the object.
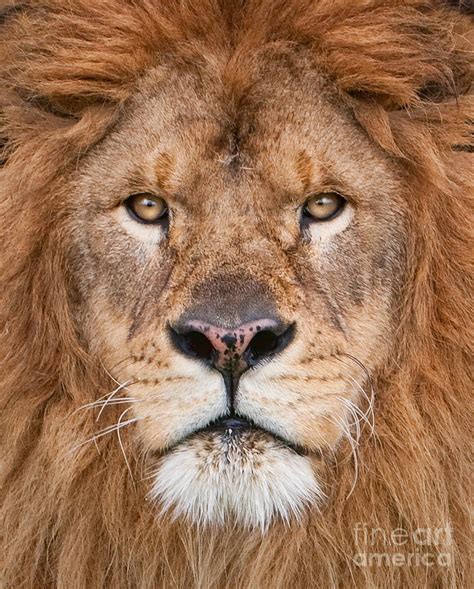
(304, 169)
(164, 166)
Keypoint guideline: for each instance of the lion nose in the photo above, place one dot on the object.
(232, 350)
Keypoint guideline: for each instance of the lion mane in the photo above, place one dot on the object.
(71, 516)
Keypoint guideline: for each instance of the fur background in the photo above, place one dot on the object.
(67, 67)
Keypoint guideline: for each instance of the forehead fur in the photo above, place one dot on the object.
(67, 68)
(404, 48)
(64, 62)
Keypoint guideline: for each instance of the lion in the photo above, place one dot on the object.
(235, 335)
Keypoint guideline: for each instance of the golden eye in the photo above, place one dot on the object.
(324, 206)
(146, 208)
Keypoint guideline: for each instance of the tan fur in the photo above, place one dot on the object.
(72, 514)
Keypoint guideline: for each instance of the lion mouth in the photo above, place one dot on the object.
(232, 428)
(231, 425)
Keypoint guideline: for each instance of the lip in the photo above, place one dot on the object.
(228, 423)
(235, 424)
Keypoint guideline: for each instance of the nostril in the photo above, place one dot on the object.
(196, 344)
(267, 343)
(262, 344)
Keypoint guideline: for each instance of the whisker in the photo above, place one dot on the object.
(115, 401)
(361, 365)
(122, 361)
(370, 400)
(121, 443)
(112, 394)
(100, 402)
(354, 443)
(108, 430)
(357, 415)
(357, 412)
(108, 373)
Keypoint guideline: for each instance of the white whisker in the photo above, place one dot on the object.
(108, 396)
(108, 430)
(370, 400)
(100, 403)
(112, 394)
(357, 413)
(109, 375)
(354, 443)
(121, 443)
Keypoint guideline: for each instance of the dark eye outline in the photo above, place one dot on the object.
(136, 217)
(311, 218)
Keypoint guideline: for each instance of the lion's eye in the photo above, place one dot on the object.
(146, 208)
(324, 206)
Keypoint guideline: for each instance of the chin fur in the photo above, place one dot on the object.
(247, 477)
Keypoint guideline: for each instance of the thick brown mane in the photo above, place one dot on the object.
(76, 519)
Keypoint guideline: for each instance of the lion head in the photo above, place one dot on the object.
(235, 285)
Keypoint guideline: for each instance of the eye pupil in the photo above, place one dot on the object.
(324, 207)
(146, 208)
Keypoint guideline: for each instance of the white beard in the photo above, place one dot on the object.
(248, 477)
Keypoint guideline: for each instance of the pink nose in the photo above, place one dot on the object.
(232, 350)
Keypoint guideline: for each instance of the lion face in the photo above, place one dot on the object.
(238, 260)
